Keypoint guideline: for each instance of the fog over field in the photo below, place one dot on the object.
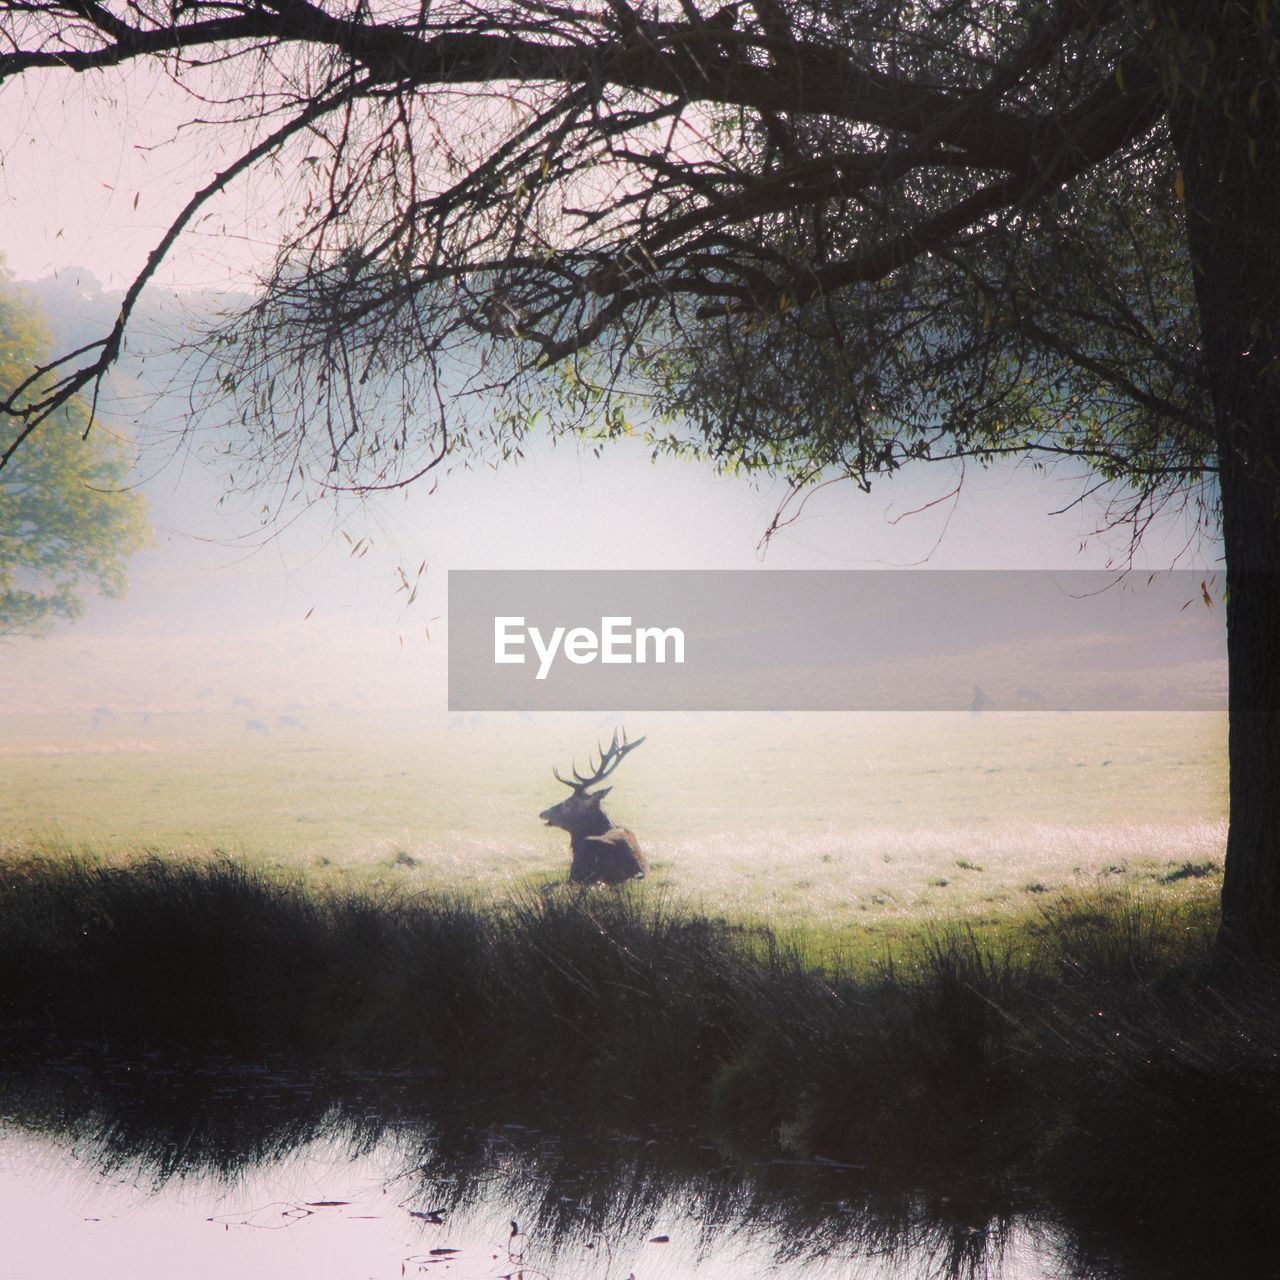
(249, 593)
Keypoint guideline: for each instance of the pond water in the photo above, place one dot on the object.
(323, 1212)
(145, 1173)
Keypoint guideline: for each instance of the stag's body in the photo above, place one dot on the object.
(602, 853)
(607, 856)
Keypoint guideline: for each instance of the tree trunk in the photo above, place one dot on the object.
(1251, 888)
(1225, 119)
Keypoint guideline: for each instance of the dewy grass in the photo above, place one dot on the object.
(1082, 1043)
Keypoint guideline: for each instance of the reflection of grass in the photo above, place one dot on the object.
(1082, 1044)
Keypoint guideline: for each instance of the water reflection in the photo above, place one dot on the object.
(382, 1174)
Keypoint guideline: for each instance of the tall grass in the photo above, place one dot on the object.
(1087, 1050)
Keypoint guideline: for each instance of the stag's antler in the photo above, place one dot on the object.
(610, 759)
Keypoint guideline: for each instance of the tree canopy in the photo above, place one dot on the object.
(827, 235)
(66, 521)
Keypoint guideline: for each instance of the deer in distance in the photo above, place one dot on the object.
(602, 853)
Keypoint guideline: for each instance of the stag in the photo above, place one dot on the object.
(602, 853)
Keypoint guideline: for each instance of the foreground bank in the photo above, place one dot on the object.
(1087, 1054)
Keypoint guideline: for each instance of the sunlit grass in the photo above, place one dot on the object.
(828, 821)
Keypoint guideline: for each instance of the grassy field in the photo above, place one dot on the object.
(821, 820)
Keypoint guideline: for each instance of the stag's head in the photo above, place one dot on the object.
(580, 811)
